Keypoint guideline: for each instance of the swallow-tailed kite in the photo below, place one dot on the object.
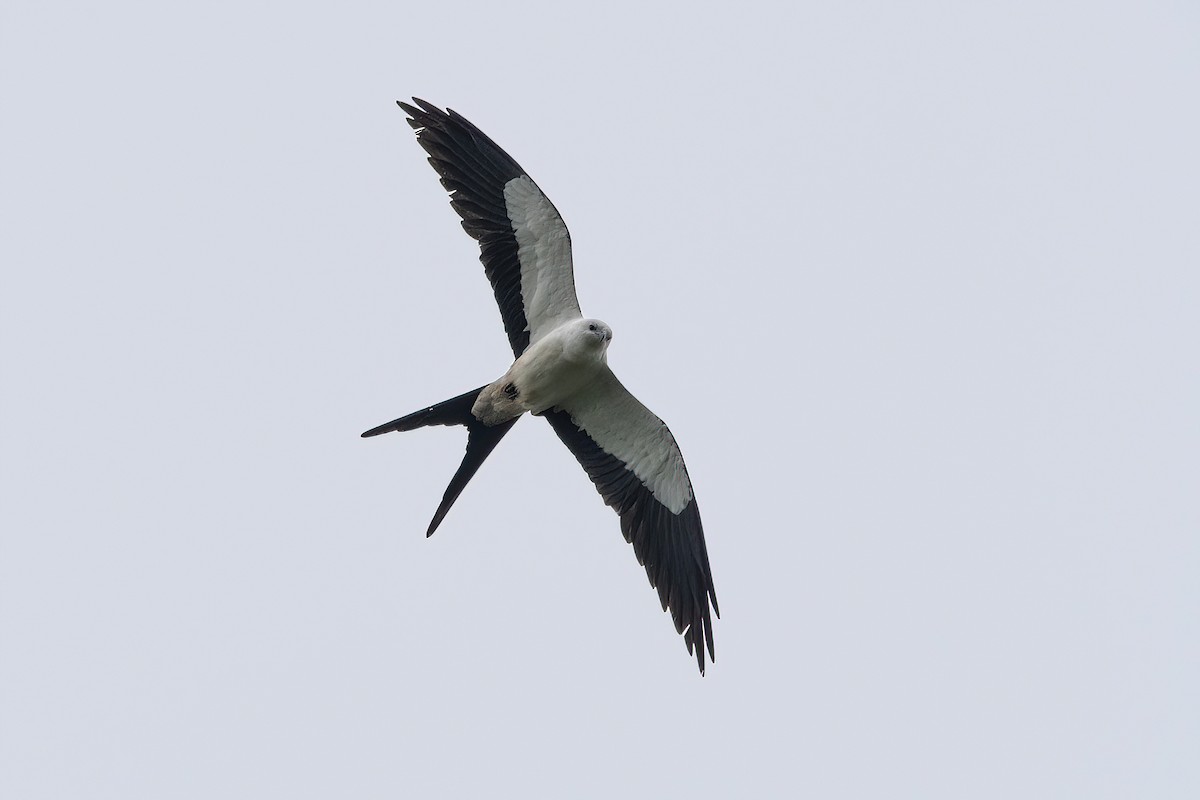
(561, 373)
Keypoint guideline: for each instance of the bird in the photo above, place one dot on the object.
(561, 373)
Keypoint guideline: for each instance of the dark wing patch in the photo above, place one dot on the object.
(474, 169)
(670, 546)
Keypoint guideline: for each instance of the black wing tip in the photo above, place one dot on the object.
(423, 112)
(699, 639)
(697, 648)
(423, 115)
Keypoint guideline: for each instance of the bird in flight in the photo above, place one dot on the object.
(561, 373)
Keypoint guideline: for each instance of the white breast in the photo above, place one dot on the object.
(555, 368)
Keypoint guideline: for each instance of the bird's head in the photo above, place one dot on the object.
(590, 338)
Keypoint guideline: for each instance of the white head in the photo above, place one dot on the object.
(588, 338)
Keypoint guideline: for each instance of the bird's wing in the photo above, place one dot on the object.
(632, 458)
(525, 247)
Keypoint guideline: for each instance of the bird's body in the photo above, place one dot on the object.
(559, 365)
(561, 373)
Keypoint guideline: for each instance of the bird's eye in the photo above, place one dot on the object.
(591, 327)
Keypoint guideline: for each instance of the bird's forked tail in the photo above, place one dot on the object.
(481, 441)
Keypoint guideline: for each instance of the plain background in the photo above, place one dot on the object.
(916, 288)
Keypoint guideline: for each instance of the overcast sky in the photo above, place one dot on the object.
(917, 289)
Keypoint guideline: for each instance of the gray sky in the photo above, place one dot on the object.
(916, 289)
